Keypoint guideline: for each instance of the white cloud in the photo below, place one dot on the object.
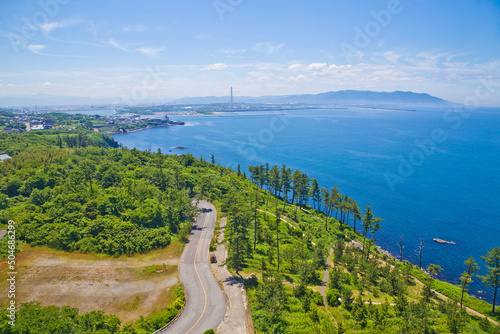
(129, 47)
(233, 52)
(117, 45)
(447, 79)
(300, 77)
(36, 48)
(47, 84)
(403, 72)
(100, 85)
(426, 59)
(11, 85)
(212, 67)
(152, 52)
(295, 67)
(48, 27)
(135, 28)
(456, 65)
(268, 47)
(392, 57)
(268, 66)
(334, 67)
(316, 67)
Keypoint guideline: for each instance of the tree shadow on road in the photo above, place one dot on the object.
(234, 280)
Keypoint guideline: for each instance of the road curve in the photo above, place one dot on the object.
(205, 303)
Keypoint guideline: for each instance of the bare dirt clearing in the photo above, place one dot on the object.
(125, 286)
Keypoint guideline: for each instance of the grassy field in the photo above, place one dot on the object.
(126, 286)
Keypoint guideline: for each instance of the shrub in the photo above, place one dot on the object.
(347, 298)
(484, 324)
(317, 298)
(332, 297)
(376, 292)
(213, 244)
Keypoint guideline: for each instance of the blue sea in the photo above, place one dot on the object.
(431, 173)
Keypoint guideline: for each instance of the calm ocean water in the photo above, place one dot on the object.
(431, 173)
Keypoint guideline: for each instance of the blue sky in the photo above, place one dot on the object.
(166, 49)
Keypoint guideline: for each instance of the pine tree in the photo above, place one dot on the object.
(420, 249)
(434, 270)
(367, 223)
(356, 214)
(492, 279)
(401, 246)
(274, 180)
(315, 193)
(325, 197)
(238, 225)
(278, 220)
(467, 275)
(286, 179)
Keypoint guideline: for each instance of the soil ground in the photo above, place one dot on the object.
(126, 286)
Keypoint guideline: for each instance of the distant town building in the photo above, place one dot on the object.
(38, 127)
(4, 156)
(49, 123)
(10, 129)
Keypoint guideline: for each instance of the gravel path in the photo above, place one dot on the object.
(237, 319)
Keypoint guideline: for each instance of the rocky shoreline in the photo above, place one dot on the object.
(145, 128)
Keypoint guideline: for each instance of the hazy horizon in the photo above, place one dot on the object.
(41, 99)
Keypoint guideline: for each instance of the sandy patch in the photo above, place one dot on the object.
(126, 287)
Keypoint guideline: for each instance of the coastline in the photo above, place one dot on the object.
(140, 129)
(450, 257)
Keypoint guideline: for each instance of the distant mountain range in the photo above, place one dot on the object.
(339, 98)
(343, 97)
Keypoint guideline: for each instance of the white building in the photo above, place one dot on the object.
(37, 127)
(4, 156)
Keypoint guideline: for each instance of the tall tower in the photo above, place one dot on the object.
(231, 105)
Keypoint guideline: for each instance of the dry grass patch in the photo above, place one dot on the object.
(124, 286)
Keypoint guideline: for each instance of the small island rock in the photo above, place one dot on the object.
(441, 241)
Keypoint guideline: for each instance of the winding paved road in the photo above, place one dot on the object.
(205, 303)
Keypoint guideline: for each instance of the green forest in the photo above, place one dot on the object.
(79, 191)
(280, 245)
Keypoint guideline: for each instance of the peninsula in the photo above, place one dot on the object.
(16, 120)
